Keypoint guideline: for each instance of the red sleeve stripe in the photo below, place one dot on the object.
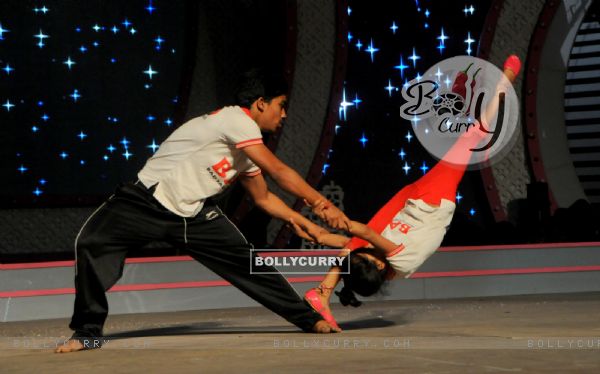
(396, 251)
(247, 143)
(252, 173)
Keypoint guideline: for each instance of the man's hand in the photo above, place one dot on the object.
(329, 213)
(307, 231)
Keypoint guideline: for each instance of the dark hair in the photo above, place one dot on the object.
(364, 277)
(254, 85)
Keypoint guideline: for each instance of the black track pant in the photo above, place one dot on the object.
(131, 218)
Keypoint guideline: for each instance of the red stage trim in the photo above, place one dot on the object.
(317, 278)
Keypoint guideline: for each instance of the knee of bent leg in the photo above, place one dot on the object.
(88, 243)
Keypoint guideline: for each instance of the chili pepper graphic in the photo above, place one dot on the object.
(460, 88)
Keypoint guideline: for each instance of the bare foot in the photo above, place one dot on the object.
(322, 327)
(71, 345)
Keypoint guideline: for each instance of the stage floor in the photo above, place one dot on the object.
(559, 333)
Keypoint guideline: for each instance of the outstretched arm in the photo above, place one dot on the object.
(291, 182)
(271, 204)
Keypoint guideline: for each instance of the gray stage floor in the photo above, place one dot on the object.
(542, 333)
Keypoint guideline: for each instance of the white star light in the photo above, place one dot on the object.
(414, 58)
(96, 28)
(343, 105)
(8, 69)
(69, 62)
(132, 31)
(150, 72)
(469, 41)
(2, 31)
(458, 197)
(153, 146)
(406, 168)
(359, 45)
(408, 136)
(389, 88)
(8, 105)
(371, 49)
(394, 27)
(114, 29)
(41, 36)
(468, 10)
(75, 95)
(44, 9)
(438, 74)
(127, 154)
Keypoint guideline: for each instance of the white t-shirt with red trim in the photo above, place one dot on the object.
(418, 229)
(201, 159)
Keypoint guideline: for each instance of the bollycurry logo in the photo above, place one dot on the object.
(463, 96)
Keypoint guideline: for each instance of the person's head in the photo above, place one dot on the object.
(368, 270)
(266, 98)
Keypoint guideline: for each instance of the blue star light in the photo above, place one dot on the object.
(114, 29)
(363, 140)
(414, 57)
(37, 191)
(8, 105)
(150, 72)
(82, 135)
(45, 117)
(359, 45)
(469, 41)
(75, 95)
(394, 27)
(371, 49)
(82, 162)
(402, 154)
(168, 122)
(150, 8)
(427, 13)
(2, 31)
(127, 155)
(125, 142)
(406, 168)
(458, 197)
(472, 212)
(34, 128)
(126, 23)
(325, 167)
(95, 44)
(153, 146)
(63, 155)
(408, 136)
(83, 49)
(350, 36)
(43, 181)
(41, 36)
(22, 169)
(40, 103)
(111, 148)
(105, 158)
(349, 10)
(424, 168)
(356, 101)
(69, 62)
(8, 69)
(44, 9)
(401, 67)
(158, 41)
(150, 118)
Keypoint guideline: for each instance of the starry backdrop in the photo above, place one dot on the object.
(375, 152)
(88, 90)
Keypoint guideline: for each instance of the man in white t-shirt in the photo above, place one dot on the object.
(172, 201)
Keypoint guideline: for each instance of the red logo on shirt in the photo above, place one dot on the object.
(221, 168)
(402, 227)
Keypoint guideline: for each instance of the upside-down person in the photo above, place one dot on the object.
(404, 232)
